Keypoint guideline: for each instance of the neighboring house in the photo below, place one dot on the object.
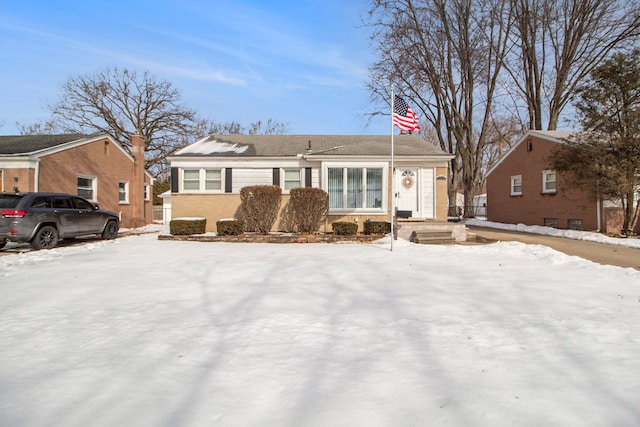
(206, 177)
(95, 167)
(522, 188)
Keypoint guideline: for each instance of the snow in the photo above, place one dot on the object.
(591, 236)
(206, 146)
(138, 331)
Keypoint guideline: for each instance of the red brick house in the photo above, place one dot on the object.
(523, 189)
(96, 167)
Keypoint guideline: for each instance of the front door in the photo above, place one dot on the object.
(407, 184)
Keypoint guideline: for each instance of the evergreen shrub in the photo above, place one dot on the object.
(187, 226)
(345, 228)
(230, 227)
(377, 227)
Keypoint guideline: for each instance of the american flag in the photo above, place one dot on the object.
(403, 116)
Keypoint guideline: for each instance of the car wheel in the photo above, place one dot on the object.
(2, 243)
(110, 230)
(46, 238)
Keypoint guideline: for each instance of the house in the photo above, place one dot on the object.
(522, 188)
(95, 167)
(206, 177)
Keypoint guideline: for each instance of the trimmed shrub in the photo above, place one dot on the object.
(308, 207)
(260, 205)
(230, 227)
(187, 226)
(377, 227)
(345, 228)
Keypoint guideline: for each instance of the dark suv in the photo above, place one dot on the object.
(42, 219)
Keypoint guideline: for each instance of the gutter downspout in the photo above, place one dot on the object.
(598, 214)
(36, 184)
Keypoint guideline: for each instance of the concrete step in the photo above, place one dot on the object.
(432, 237)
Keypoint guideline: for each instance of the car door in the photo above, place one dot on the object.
(67, 215)
(89, 221)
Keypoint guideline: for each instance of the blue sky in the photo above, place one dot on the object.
(301, 62)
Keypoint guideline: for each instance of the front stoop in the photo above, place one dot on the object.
(451, 232)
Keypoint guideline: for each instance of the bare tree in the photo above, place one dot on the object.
(121, 102)
(558, 42)
(446, 57)
(37, 128)
(209, 127)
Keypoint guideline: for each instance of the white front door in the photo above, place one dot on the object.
(407, 180)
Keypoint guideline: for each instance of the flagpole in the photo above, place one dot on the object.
(393, 178)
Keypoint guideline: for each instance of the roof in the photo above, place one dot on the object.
(558, 136)
(309, 145)
(30, 144)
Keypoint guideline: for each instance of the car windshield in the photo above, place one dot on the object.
(9, 201)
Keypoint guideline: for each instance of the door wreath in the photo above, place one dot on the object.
(407, 182)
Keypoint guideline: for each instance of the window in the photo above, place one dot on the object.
(123, 192)
(551, 222)
(575, 224)
(61, 202)
(146, 191)
(213, 179)
(292, 179)
(201, 180)
(87, 187)
(516, 185)
(355, 188)
(548, 181)
(191, 180)
(82, 204)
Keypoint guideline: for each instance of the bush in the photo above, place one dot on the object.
(187, 226)
(260, 205)
(377, 227)
(308, 207)
(345, 228)
(227, 227)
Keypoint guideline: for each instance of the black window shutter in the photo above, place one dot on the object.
(276, 176)
(227, 180)
(175, 177)
(307, 177)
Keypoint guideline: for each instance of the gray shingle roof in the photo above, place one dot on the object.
(28, 144)
(322, 145)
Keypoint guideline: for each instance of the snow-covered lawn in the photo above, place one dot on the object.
(142, 332)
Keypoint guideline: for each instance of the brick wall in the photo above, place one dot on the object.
(529, 159)
(107, 164)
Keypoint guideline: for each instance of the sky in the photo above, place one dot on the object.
(304, 63)
(240, 334)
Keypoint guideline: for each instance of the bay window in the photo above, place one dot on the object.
(355, 188)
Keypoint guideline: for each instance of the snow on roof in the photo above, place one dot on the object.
(213, 146)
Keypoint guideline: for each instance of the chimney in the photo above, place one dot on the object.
(137, 187)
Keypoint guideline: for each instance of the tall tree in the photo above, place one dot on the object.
(606, 155)
(558, 42)
(121, 102)
(446, 56)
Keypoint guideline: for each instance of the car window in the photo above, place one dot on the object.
(41, 202)
(82, 203)
(62, 203)
(9, 200)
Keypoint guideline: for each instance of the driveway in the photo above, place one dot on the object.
(601, 253)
